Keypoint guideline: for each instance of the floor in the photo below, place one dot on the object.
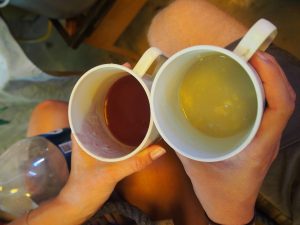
(53, 54)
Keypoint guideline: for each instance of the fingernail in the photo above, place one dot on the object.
(263, 56)
(156, 153)
(127, 64)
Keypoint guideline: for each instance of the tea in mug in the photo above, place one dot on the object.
(217, 96)
(127, 111)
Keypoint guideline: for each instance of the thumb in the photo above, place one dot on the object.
(140, 161)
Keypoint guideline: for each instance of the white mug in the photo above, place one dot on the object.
(166, 111)
(91, 133)
(87, 120)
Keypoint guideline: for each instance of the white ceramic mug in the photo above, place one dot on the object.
(87, 121)
(86, 116)
(166, 111)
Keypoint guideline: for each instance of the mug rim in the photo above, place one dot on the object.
(258, 91)
(71, 103)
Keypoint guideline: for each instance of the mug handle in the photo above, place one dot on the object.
(147, 59)
(259, 37)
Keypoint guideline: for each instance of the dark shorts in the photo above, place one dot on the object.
(279, 197)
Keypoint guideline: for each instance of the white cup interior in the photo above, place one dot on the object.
(171, 122)
(87, 118)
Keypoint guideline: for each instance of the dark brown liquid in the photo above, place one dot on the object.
(127, 111)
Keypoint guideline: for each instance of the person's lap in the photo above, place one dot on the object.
(163, 189)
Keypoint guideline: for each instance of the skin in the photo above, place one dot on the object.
(228, 189)
(139, 189)
(90, 184)
(186, 23)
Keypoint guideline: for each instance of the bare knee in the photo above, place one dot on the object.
(192, 22)
(50, 108)
(163, 33)
(50, 104)
(47, 116)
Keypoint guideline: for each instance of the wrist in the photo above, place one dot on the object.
(211, 222)
(229, 212)
(227, 206)
(74, 207)
(56, 211)
(83, 201)
(74, 212)
(228, 216)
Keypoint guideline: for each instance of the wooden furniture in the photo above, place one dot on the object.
(113, 25)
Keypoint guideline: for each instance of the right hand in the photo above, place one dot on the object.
(228, 189)
(92, 181)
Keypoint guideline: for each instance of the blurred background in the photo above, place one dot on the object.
(73, 36)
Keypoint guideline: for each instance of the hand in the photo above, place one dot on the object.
(228, 189)
(91, 181)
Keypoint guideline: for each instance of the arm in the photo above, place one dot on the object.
(90, 184)
(55, 211)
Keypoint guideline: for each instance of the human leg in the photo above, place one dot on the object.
(47, 116)
(192, 22)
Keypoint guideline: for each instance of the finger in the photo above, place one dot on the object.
(127, 64)
(76, 149)
(75, 146)
(289, 86)
(278, 96)
(78, 153)
(275, 86)
(139, 161)
(277, 93)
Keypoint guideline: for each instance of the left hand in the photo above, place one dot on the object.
(228, 189)
(91, 182)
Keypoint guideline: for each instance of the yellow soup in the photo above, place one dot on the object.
(217, 96)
